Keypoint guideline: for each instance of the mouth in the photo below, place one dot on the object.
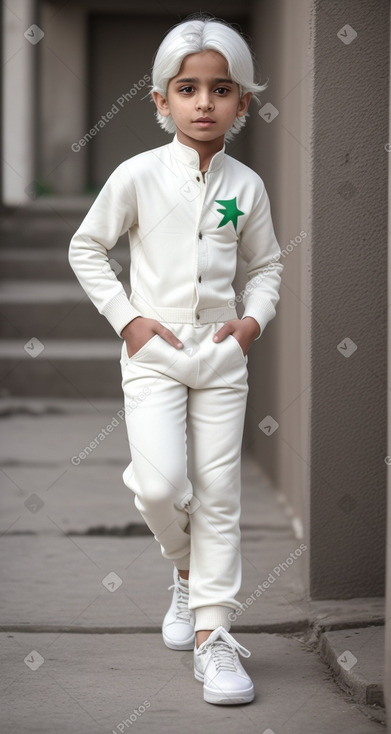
(204, 121)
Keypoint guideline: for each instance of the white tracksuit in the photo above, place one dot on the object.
(185, 408)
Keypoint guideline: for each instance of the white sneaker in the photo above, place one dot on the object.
(178, 624)
(217, 664)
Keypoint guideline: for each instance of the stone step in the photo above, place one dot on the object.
(52, 232)
(57, 310)
(22, 263)
(61, 368)
(46, 222)
(356, 657)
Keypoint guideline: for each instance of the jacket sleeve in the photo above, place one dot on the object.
(259, 248)
(113, 212)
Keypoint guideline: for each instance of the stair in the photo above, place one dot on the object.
(54, 342)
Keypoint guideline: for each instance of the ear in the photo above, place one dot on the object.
(161, 104)
(243, 104)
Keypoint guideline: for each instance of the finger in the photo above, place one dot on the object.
(169, 337)
(223, 332)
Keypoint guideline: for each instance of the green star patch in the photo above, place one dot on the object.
(230, 212)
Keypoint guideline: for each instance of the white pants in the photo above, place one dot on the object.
(185, 414)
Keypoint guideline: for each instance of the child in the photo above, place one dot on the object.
(188, 209)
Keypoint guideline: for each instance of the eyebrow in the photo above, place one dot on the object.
(195, 79)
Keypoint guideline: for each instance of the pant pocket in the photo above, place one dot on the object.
(238, 348)
(125, 359)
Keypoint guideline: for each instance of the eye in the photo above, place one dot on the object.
(222, 91)
(186, 90)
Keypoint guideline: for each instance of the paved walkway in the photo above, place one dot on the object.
(84, 591)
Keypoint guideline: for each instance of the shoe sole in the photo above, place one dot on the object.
(186, 645)
(213, 696)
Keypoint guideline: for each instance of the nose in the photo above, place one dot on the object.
(204, 101)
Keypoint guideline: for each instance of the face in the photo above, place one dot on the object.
(203, 100)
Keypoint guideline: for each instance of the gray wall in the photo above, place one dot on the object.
(387, 671)
(349, 301)
(325, 167)
(279, 379)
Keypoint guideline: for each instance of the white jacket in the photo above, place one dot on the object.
(184, 235)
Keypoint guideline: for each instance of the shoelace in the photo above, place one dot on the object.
(224, 651)
(182, 611)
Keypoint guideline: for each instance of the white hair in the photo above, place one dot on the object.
(194, 36)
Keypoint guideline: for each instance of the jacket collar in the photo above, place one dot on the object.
(190, 157)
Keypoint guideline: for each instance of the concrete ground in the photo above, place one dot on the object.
(84, 592)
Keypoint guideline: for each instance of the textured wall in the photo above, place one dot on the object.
(387, 656)
(279, 380)
(325, 166)
(349, 299)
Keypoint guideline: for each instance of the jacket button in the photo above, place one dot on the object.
(199, 279)
(200, 235)
(197, 316)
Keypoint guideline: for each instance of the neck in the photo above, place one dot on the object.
(206, 149)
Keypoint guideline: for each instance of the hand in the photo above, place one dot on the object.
(243, 330)
(138, 331)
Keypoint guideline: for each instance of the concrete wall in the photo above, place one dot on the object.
(63, 101)
(387, 671)
(279, 380)
(324, 164)
(18, 90)
(348, 300)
